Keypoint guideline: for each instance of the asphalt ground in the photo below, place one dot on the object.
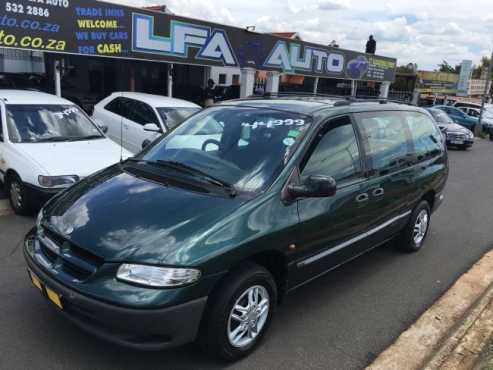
(340, 321)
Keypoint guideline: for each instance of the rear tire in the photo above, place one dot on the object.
(414, 235)
(16, 192)
(233, 311)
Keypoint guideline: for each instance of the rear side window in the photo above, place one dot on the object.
(115, 106)
(335, 153)
(426, 137)
(142, 113)
(133, 110)
(387, 140)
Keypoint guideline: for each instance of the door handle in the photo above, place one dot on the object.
(364, 197)
(379, 192)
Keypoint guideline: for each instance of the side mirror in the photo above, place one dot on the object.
(152, 127)
(145, 143)
(314, 187)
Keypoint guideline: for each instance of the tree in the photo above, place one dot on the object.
(483, 66)
(409, 68)
(446, 67)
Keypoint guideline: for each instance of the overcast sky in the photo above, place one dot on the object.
(421, 31)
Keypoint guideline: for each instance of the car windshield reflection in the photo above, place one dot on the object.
(243, 147)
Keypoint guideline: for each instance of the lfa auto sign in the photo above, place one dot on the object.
(212, 44)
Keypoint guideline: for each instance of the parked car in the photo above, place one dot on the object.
(141, 117)
(487, 120)
(458, 116)
(47, 144)
(456, 135)
(185, 243)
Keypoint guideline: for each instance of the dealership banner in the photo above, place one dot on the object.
(88, 27)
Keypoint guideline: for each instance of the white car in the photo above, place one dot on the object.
(476, 113)
(140, 118)
(47, 144)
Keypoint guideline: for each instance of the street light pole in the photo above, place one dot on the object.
(486, 93)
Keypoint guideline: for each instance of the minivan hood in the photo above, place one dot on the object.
(122, 218)
(81, 158)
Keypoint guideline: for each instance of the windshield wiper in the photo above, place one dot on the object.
(88, 137)
(194, 171)
(53, 139)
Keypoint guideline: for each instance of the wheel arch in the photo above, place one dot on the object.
(273, 261)
(429, 196)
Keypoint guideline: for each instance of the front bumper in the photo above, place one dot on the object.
(37, 197)
(439, 198)
(463, 142)
(143, 329)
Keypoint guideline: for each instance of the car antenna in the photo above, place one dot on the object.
(121, 134)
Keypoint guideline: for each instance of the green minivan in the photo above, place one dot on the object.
(201, 235)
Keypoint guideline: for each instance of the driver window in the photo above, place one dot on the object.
(335, 153)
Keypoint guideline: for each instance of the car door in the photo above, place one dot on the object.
(329, 226)
(388, 143)
(454, 113)
(141, 114)
(110, 115)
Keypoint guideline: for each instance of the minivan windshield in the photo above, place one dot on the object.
(49, 123)
(242, 147)
(172, 117)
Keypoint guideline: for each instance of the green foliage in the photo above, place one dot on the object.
(446, 67)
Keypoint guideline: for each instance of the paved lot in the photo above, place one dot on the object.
(341, 321)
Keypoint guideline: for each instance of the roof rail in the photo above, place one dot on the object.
(342, 99)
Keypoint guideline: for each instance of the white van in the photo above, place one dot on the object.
(47, 144)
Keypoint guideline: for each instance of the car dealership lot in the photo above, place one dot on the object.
(340, 321)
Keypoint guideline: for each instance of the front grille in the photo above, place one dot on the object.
(67, 257)
(456, 137)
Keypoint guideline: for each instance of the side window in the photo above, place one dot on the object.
(336, 153)
(114, 106)
(387, 139)
(426, 136)
(142, 113)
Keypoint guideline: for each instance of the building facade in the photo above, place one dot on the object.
(477, 87)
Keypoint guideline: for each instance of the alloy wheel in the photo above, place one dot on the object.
(421, 227)
(16, 194)
(248, 316)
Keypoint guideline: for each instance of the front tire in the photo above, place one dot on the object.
(16, 191)
(416, 231)
(239, 314)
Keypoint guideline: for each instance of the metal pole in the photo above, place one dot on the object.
(315, 86)
(354, 88)
(477, 130)
(170, 80)
(58, 78)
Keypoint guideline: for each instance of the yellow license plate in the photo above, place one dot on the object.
(53, 296)
(36, 282)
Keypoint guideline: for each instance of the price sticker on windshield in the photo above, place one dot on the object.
(275, 123)
(65, 113)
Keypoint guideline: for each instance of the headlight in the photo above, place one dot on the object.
(57, 181)
(158, 277)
